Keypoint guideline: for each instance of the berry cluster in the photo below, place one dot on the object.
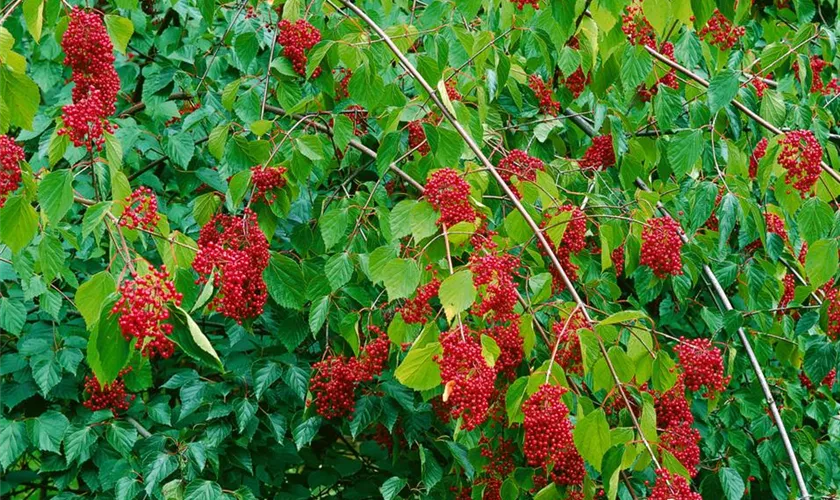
(760, 86)
(499, 466)
(496, 272)
(681, 441)
(672, 487)
(109, 396)
(10, 157)
(635, 25)
(790, 288)
(335, 378)
(661, 247)
(90, 55)
(509, 340)
(817, 86)
(267, 181)
(827, 381)
(800, 154)
(702, 365)
(520, 4)
(720, 31)
(573, 241)
(417, 137)
(543, 92)
(418, 309)
(599, 155)
(566, 336)
(775, 225)
(548, 436)
(450, 195)
(577, 82)
(234, 251)
(518, 163)
(342, 91)
(674, 417)
(832, 329)
(756, 156)
(142, 310)
(296, 38)
(451, 91)
(669, 79)
(141, 210)
(617, 257)
(467, 377)
(186, 109)
(359, 116)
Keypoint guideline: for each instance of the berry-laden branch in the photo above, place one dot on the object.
(513, 198)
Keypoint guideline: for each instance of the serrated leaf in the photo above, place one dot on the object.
(91, 295)
(189, 337)
(722, 89)
(419, 371)
(401, 277)
(339, 270)
(120, 30)
(457, 293)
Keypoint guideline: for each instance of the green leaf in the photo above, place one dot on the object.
(423, 220)
(12, 315)
(180, 148)
(46, 371)
(121, 436)
(47, 431)
(217, 139)
(283, 278)
(733, 485)
(401, 277)
(229, 93)
(200, 489)
(13, 441)
(94, 215)
(189, 337)
(722, 89)
(306, 431)
(18, 223)
(333, 225)
(457, 293)
(19, 93)
(33, 13)
(78, 445)
(120, 29)
(419, 371)
(55, 194)
(684, 149)
(339, 270)
(391, 488)
(205, 207)
(623, 317)
(636, 65)
(489, 350)
(820, 358)
(815, 219)
(592, 437)
(91, 296)
(311, 147)
(821, 262)
(108, 351)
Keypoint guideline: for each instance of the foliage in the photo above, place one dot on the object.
(269, 265)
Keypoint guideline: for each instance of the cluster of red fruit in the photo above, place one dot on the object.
(662, 247)
(518, 163)
(267, 180)
(827, 381)
(668, 80)
(296, 38)
(818, 64)
(11, 154)
(467, 378)
(499, 466)
(720, 31)
(756, 156)
(342, 91)
(617, 257)
(335, 378)
(520, 4)
(789, 288)
(672, 487)
(599, 155)
(449, 194)
(109, 396)
(143, 310)
(543, 92)
(775, 225)
(141, 210)
(577, 82)
(702, 365)
(833, 314)
(418, 309)
(674, 417)
(359, 116)
(800, 154)
(573, 242)
(635, 25)
(417, 137)
(566, 336)
(451, 90)
(90, 54)
(186, 109)
(548, 437)
(234, 251)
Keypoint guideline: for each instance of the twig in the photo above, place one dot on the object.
(142, 430)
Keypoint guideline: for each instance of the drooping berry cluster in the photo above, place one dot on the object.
(635, 25)
(520, 4)
(267, 181)
(449, 194)
(775, 225)
(548, 436)
(518, 163)
(827, 381)
(496, 272)
(669, 79)
(417, 137)
(418, 309)
(617, 257)
(499, 466)
(817, 86)
(759, 85)
(509, 340)
(566, 336)
(186, 109)
(335, 378)
(466, 376)
(674, 418)
(543, 92)
(662, 247)
(833, 313)
(143, 311)
(789, 289)
(10, 157)
(720, 31)
(109, 396)
(141, 210)
(573, 241)
(90, 55)
(452, 91)
(296, 38)
(342, 91)
(599, 155)
(702, 365)
(672, 487)
(800, 154)
(577, 82)
(756, 156)
(234, 251)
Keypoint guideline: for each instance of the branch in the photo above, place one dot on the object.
(142, 430)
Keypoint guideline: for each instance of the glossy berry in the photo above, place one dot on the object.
(702, 365)
(141, 210)
(827, 381)
(566, 336)
(520, 4)
(635, 25)
(683, 442)
(10, 157)
(333, 386)
(617, 257)
(789, 289)
(373, 357)
(495, 273)
(234, 252)
(417, 137)
(267, 181)
(449, 194)
(577, 82)
(518, 163)
(719, 31)
(342, 90)
(833, 314)
(466, 376)
(143, 311)
(509, 340)
(760, 86)
(548, 436)
(109, 396)
(800, 154)
(661, 247)
(452, 91)
(296, 38)
(90, 55)
(672, 487)
(775, 225)
(573, 241)
(672, 408)
(599, 155)
(543, 92)
(418, 309)
(817, 86)
(756, 156)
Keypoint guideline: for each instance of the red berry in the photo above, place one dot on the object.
(449, 194)
(418, 309)
(775, 225)
(635, 25)
(661, 247)
(141, 210)
(702, 365)
(496, 272)
(417, 137)
(800, 154)
(267, 181)
(577, 81)
(600, 154)
(548, 436)
(720, 31)
(10, 157)
(547, 103)
(296, 38)
(111, 396)
(756, 156)
(520, 4)
(672, 487)
(521, 165)
(468, 379)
